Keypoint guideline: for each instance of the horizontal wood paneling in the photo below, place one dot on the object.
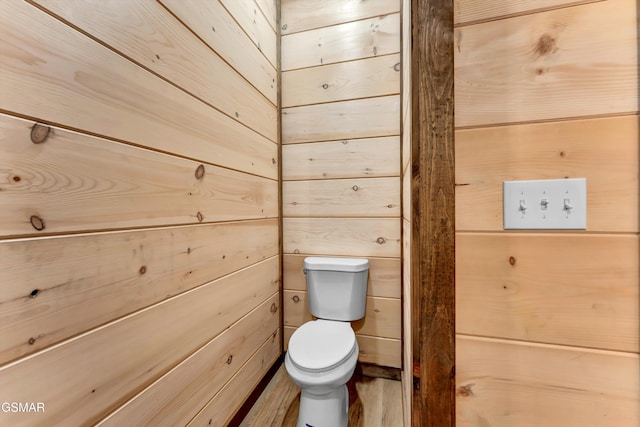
(114, 277)
(58, 66)
(212, 23)
(341, 152)
(380, 351)
(338, 82)
(220, 410)
(563, 63)
(150, 35)
(376, 237)
(255, 24)
(502, 383)
(478, 10)
(375, 350)
(86, 379)
(83, 281)
(343, 42)
(370, 197)
(579, 290)
(355, 158)
(147, 189)
(382, 317)
(603, 150)
(341, 120)
(176, 397)
(384, 275)
(562, 307)
(301, 15)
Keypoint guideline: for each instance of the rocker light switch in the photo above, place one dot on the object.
(546, 204)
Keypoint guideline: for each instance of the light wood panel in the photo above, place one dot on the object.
(255, 24)
(377, 237)
(341, 152)
(341, 120)
(301, 15)
(343, 42)
(382, 317)
(502, 383)
(406, 195)
(143, 140)
(355, 158)
(384, 275)
(84, 379)
(579, 290)
(380, 351)
(469, 11)
(562, 63)
(370, 197)
(604, 150)
(176, 397)
(562, 307)
(147, 33)
(146, 189)
(407, 326)
(213, 24)
(221, 408)
(338, 82)
(406, 134)
(55, 288)
(376, 350)
(94, 89)
(269, 9)
(406, 161)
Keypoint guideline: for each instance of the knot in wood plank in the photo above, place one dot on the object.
(37, 222)
(40, 133)
(200, 172)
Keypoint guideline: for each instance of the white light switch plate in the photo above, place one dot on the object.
(545, 204)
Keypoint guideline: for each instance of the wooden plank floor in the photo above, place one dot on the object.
(373, 402)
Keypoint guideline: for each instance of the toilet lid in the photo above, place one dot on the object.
(321, 344)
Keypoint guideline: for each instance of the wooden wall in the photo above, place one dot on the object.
(341, 156)
(406, 175)
(547, 322)
(139, 240)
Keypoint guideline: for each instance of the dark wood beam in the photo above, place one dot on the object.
(433, 223)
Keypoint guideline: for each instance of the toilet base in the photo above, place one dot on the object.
(330, 409)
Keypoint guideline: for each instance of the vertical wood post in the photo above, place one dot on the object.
(433, 224)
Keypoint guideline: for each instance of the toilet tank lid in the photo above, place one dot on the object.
(336, 264)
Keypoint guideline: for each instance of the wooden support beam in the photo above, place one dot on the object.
(433, 224)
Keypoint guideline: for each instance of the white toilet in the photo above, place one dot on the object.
(322, 353)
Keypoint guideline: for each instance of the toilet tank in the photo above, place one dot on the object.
(337, 287)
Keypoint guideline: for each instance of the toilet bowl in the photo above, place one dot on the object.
(321, 358)
(322, 354)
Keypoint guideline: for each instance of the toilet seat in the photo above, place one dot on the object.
(321, 345)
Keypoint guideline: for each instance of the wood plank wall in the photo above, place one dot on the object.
(547, 322)
(341, 156)
(406, 175)
(139, 237)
